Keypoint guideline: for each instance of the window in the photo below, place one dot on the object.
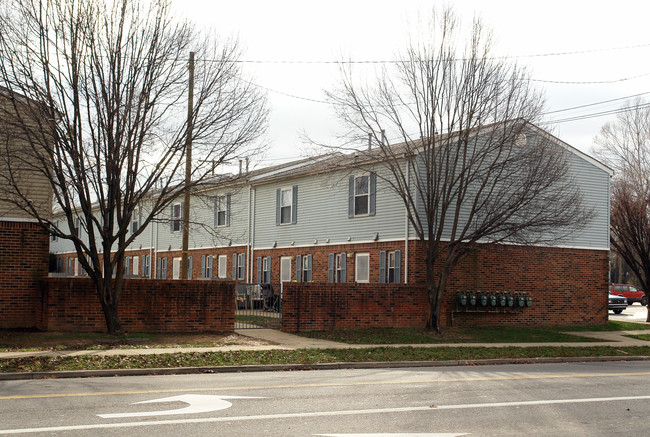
(136, 220)
(69, 268)
(56, 226)
(161, 271)
(241, 266)
(127, 265)
(135, 265)
(189, 267)
(362, 267)
(390, 267)
(206, 266)
(286, 206)
(362, 195)
(222, 210)
(176, 215)
(264, 270)
(303, 268)
(336, 271)
(146, 266)
(223, 266)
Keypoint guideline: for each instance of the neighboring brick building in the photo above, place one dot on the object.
(24, 244)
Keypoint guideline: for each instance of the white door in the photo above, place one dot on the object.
(177, 268)
(285, 271)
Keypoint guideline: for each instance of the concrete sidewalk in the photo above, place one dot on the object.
(284, 341)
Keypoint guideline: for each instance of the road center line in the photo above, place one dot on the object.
(329, 384)
(319, 414)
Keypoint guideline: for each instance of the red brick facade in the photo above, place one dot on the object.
(24, 249)
(567, 286)
(71, 304)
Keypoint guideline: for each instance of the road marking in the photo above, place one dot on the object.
(197, 404)
(430, 408)
(392, 434)
(330, 384)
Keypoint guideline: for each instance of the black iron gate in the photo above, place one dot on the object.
(258, 306)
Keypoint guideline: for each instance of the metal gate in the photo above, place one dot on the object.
(258, 306)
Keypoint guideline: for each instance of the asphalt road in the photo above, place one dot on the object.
(578, 399)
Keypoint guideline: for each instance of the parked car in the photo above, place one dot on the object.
(630, 292)
(617, 303)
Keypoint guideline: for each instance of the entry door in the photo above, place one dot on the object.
(285, 271)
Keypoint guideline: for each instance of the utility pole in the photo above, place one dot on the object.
(188, 172)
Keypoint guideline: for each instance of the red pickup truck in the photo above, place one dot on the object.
(630, 292)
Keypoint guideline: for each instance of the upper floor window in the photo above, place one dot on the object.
(362, 195)
(176, 215)
(56, 226)
(222, 210)
(286, 205)
(136, 220)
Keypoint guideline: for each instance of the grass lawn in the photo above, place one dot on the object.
(306, 356)
(469, 335)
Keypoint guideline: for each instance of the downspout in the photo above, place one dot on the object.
(406, 225)
(253, 196)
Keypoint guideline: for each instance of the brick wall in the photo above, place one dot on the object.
(146, 305)
(317, 306)
(567, 286)
(24, 249)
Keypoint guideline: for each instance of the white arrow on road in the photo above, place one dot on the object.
(197, 404)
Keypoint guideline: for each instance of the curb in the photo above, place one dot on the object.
(305, 367)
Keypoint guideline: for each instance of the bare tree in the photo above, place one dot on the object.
(107, 85)
(625, 146)
(467, 164)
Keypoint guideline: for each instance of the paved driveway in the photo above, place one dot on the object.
(633, 313)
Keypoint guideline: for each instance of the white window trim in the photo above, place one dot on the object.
(177, 219)
(357, 265)
(241, 266)
(290, 206)
(222, 206)
(338, 266)
(367, 175)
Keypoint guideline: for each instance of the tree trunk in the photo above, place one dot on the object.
(113, 324)
(109, 291)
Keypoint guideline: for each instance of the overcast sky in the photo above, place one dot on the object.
(581, 52)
